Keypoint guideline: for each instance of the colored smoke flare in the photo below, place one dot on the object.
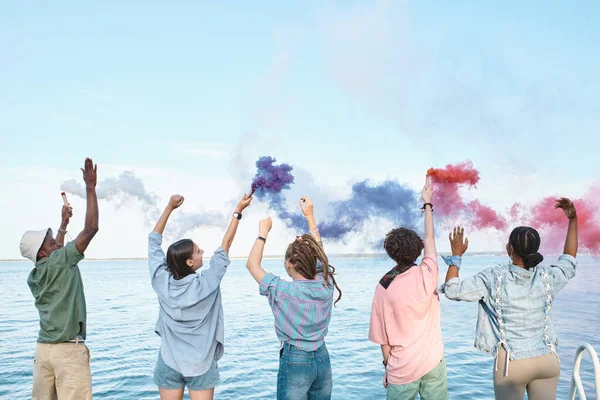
(399, 204)
(553, 223)
(449, 202)
(269, 182)
(389, 200)
(485, 217)
(459, 174)
(271, 178)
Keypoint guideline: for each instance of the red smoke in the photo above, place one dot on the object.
(459, 174)
(449, 202)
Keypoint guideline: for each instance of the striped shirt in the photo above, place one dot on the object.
(302, 309)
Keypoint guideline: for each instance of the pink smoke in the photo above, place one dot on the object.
(552, 223)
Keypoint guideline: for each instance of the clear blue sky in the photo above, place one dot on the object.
(345, 90)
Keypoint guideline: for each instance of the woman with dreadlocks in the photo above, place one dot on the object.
(514, 321)
(302, 310)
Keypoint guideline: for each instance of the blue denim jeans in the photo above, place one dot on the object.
(303, 374)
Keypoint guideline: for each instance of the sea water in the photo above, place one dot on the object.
(122, 310)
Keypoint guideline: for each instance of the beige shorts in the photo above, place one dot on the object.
(62, 371)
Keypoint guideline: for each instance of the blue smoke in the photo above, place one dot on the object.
(389, 200)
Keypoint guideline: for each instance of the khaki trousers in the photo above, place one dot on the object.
(61, 371)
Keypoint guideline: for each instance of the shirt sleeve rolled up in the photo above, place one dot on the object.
(561, 272)
(268, 285)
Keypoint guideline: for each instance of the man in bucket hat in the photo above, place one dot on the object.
(61, 367)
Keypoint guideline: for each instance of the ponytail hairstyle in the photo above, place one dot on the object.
(177, 256)
(525, 242)
(303, 253)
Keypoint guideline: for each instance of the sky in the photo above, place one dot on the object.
(187, 96)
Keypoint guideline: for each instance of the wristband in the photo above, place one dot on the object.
(62, 231)
(425, 206)
(237, 215)
(453, 260)
(262, 238)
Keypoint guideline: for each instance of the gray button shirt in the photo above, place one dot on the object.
(190, 319)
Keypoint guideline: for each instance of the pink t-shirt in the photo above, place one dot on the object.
(406, 316)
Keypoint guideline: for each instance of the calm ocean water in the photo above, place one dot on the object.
(122, 310)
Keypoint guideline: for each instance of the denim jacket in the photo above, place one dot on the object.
(514, 307)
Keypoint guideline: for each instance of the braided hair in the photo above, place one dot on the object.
(525, 242)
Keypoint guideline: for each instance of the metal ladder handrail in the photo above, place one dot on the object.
(576, 378)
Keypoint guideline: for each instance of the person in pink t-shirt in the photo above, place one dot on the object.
(405, 316)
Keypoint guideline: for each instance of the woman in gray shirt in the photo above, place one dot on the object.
(190, 319)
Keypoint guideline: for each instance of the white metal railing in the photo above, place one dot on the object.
(576, 384)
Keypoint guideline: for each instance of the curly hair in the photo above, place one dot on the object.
(403, 246)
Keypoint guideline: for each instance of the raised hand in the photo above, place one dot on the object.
(307, 206)
(82, 241)
(567, 206)
(67, 213)
(90, 173)
(243, 203)
(175, 201)
(427, 192)
(457, 244)
(264, 226)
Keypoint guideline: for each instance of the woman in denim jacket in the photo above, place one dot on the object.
(514, 321)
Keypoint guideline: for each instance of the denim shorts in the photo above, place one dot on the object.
(166, 377)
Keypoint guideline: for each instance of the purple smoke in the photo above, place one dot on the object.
(269, 182)
(389, 200)
(271, 178)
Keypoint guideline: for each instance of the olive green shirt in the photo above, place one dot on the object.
(56, 285)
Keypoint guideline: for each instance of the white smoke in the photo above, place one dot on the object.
(184, 222)
(128, 187)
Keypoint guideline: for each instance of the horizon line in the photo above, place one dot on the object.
(277, 256)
